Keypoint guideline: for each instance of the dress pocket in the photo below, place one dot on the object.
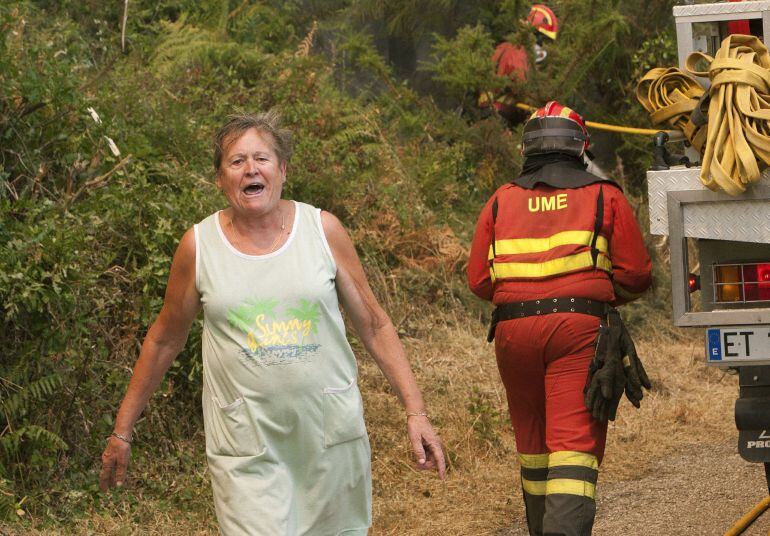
(343, 414)
(230, 430)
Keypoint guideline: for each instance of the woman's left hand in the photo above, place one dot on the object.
(426, 444)
(381, 340)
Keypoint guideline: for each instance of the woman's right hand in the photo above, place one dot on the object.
(114, 463)
(165, 339)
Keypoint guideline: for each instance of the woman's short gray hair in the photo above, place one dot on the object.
(265, 123)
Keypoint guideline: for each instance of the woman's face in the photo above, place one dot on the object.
(251, 175)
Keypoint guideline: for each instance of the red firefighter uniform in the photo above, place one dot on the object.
(512, 61)
(541, 243)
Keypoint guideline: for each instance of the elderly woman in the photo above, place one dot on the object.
(285, 437)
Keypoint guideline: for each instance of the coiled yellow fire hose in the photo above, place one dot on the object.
(738, 142)
(670, 96)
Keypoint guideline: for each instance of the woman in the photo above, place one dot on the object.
(285, 436)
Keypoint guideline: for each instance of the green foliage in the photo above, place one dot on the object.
(185, 47)
(403, 18)
(361, 67)
(263, 26)
(464, 62)
(16, 400)
(87, 233)
(657, 51)
(487, 419)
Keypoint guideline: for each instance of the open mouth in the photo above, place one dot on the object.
(254, 188)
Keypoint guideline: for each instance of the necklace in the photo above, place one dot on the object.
(277, 238)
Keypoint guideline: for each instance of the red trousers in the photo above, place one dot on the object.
(543, 362)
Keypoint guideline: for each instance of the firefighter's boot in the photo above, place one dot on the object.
(534, 476)
(569, 494)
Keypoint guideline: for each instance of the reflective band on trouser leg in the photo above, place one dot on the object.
(569, 494)
(534, 474)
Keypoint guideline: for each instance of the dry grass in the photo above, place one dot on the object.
(456, 369)
(689, 404)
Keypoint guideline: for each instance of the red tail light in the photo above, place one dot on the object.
(742, 282)
(693, 283)
(756, 278)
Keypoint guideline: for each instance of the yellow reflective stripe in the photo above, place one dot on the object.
(535, 270)
(570, 457)
(534, 487)
(534, 461)
(569, 486)
(565, 111)
(516, 246)
(624, 294)
(539, 9)
(548, 33)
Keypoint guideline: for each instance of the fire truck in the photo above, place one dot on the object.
(720, 244)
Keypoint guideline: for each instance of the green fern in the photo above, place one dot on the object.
(44, 439)
(188, 46)
(7, 501)
(11, 443)
(402, 17)
(19, 438)
(19, 401)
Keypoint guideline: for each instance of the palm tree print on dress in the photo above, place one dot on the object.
(306, 312)
(243, 317)
(273, 338)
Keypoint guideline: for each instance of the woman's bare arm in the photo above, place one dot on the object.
(376, 331)
(165, 339)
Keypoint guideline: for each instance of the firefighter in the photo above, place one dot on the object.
(555, 250)
(512, 62)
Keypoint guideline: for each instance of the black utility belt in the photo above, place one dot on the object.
(523, 309)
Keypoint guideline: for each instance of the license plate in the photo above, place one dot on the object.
(741, 344)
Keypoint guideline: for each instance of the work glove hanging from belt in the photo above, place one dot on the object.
(615, 369)
(636, 376)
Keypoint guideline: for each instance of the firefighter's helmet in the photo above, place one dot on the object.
(543, 20)
(555, 129)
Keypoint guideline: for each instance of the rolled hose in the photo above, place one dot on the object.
(737, 147)
(734, 135)
(745, 522)
(671, 96)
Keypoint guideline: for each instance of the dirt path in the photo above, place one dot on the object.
(702, 490)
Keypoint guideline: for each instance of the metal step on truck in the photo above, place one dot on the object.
(720, 244)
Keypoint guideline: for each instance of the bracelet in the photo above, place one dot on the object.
(416, 414)
(121, 437)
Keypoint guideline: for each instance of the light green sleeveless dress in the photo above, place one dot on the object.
(285, 437)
